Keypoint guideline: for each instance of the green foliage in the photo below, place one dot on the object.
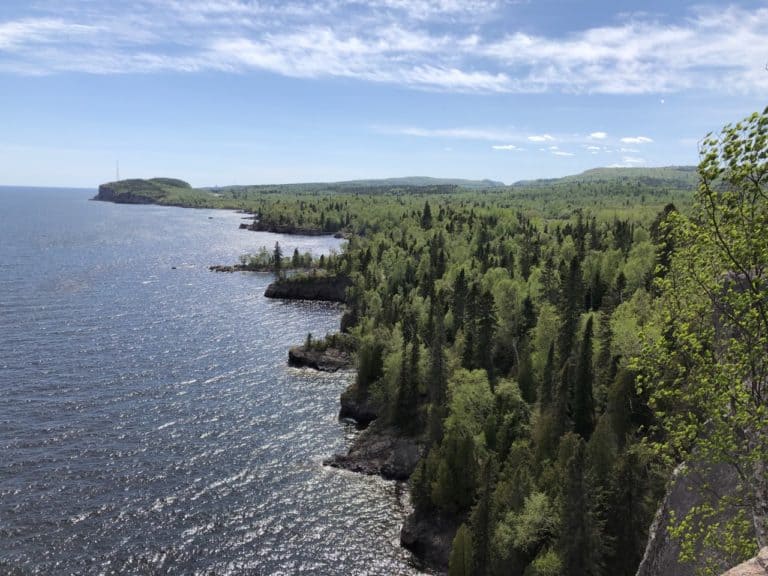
(460, 562)
(704, 361)
(469, 311)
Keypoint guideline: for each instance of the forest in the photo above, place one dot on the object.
(552, 346)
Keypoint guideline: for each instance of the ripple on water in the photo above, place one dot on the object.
(148, 422)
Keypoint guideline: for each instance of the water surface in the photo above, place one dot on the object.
(148, 421)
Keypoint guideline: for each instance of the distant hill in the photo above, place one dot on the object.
(677, 177)
(415, 184)
(424, 181)
(600, 183)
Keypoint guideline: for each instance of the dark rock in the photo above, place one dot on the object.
(310, 287)
(382, 451)
(359, 408)
(348, 321)
(222, 268)
(258, 226)
(691, 485)
(328, 360)
(757, 566)
(429, 538)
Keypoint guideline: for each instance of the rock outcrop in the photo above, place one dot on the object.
(757, 566)
(258, 226)
(359, 407)
(310, 287)
(691, 485)
(328, 360)
(381, 451)
(108, 193)
(430, 539)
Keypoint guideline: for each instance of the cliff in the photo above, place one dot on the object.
(430, 539)
(310, 287)
(691, 485)
(111, 193)
(757, 566)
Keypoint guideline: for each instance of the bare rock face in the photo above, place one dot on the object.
(430, 539)
(691, 485)
(328, 360)
(758, 566)
(324, 288)
(381, 451)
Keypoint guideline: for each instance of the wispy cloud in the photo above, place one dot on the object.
(465, 133)
(541, 138)
(444, 45)
(562, 153)
(508, 147)
(636, 140)
(598, 136)
(17, 34)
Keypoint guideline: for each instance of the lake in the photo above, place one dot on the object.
(149, 423)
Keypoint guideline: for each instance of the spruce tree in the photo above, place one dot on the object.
(460, 561)
(583, 400)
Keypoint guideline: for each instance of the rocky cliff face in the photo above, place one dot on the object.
(430, 539)
(325, 288)
(691, 485)
(757, 566)
(108, 193)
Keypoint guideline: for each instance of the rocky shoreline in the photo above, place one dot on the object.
(310, 287)
(379, 449)
(328, 360)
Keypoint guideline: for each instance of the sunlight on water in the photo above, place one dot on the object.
(148, 421)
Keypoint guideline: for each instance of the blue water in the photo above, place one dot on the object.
(148, 421)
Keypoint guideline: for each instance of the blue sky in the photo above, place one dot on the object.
(243, 91)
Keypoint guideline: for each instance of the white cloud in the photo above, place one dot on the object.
(412, 43)
(36, 31)
(593, 148)
(598, 136)
(468, 133)
(509, 147)
(430, 9)
(632, 160)
(561, 153)
(541, 138)
(636, 140)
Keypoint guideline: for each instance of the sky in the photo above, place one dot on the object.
(221, 92)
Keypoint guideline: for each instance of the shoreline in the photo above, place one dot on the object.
(378, 450)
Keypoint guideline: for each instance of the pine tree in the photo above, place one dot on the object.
(581, 545)
(426, 217)
(460, 561)
(583, 400)
(277, 259)
(485, 326)
(437, 375)
(480, 520)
